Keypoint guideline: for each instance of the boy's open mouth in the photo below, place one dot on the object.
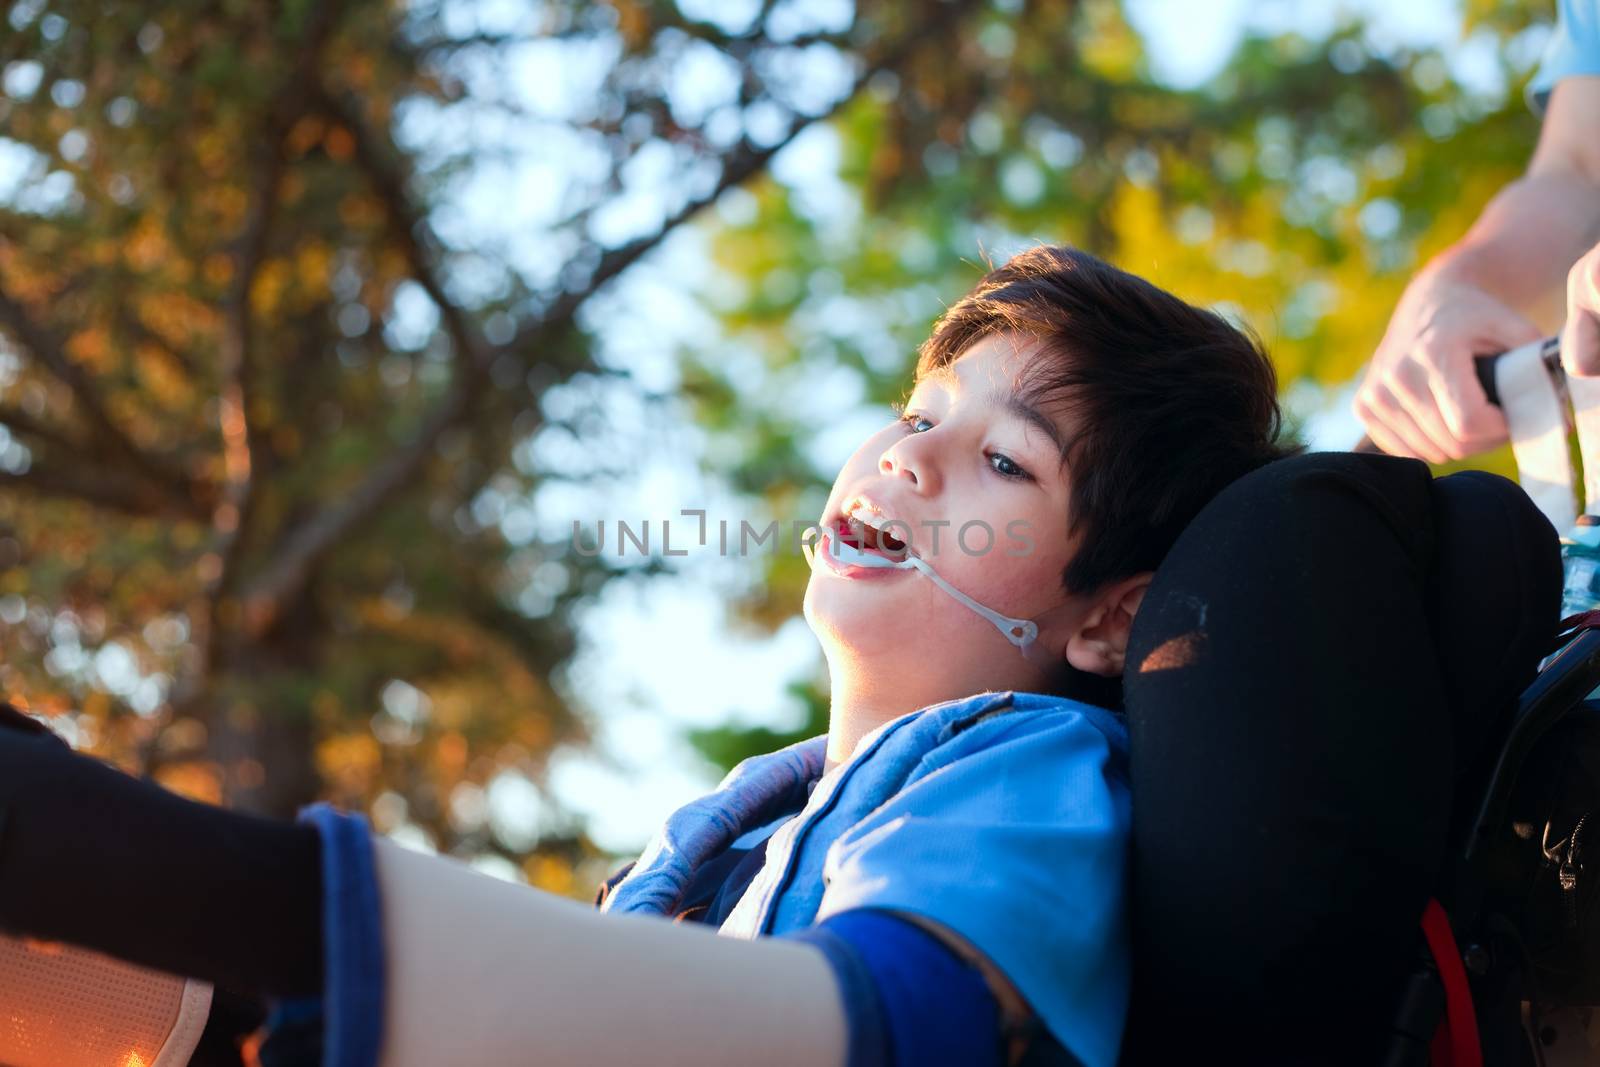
(860, 536)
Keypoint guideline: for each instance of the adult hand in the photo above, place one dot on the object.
(1421, 395)
(1580, 337)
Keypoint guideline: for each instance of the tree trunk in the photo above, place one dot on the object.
(261, 729)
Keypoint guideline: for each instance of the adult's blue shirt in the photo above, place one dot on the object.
(1002, 817)
(1574, 48)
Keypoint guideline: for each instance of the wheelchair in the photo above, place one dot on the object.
(1520, 897)
(1506, 965)
(1513, 929)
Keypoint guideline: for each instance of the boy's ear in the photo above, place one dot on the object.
(1101, 643)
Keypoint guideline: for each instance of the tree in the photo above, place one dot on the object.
(262, 409)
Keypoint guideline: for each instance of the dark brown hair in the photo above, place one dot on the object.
(1164, 403)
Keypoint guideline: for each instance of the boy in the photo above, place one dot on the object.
(946, 866)
(1073, 402)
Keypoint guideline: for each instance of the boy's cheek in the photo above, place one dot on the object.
(992, 579)
(1020, 585)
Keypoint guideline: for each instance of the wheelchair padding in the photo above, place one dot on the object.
(1322, 652)
(1495, 591)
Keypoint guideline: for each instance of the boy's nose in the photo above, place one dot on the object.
(908, 458)
(889, 465)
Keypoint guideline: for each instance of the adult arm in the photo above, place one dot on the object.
(1500, 286)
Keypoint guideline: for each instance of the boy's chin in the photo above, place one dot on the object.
(864, 639)
(882, 602)
(916, 639)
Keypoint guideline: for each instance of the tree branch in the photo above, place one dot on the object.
(22, 424)
(429, 46)
(743, 163)
(48, 350)
(243, 448)
(407, 224)
(106, 489)
(241, 445)
(127, 321)
(290, 568)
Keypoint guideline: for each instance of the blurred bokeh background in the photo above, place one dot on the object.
(322, 323)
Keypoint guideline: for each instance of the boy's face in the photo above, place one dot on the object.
(964, 455)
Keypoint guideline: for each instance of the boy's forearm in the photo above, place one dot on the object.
(481, 971)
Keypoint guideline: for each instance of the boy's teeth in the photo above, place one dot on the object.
(871, 538)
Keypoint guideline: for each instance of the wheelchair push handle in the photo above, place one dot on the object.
(1484, 368)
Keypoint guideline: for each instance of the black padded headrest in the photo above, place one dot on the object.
(1494, 590)
(1324, 659)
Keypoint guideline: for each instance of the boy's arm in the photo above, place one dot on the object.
(481, 971)
(1013, 847)
(469, 970)
(1017, 1019)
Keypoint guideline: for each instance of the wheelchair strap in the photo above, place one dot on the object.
(1455, 1043)
(1536, 414)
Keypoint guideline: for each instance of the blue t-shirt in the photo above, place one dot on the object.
(1002, 817)
(1574, 48)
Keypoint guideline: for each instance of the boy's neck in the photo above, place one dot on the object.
(856, 710)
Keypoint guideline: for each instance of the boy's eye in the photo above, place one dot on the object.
(1001, 463)
(1004, 465)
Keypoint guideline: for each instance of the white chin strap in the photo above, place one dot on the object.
(1020, 632)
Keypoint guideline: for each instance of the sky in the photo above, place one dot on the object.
(1189, 40)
